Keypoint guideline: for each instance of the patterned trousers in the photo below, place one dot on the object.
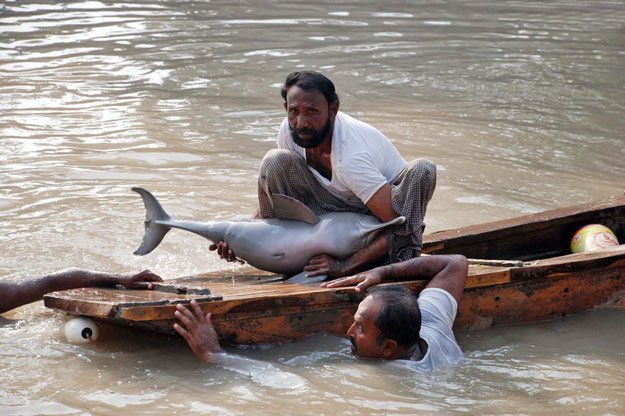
(285, 172)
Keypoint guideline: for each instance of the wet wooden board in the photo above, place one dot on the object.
(263, 309)
(257, 307)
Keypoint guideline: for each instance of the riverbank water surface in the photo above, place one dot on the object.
(520, 104)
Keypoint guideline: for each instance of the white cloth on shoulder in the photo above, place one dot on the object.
(438, 311)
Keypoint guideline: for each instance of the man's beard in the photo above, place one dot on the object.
(315, 137)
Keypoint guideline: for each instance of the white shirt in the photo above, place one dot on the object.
(362, 158)
(438, 311)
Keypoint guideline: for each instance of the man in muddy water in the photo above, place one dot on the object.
(390, 322)
(333, 162)
(15, 294)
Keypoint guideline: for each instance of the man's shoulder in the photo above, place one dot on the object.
(348, 121)
(438, 296)
(438, 309)
(358, 136)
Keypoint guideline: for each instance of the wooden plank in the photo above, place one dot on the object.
(155, 305)
(103, 303)
(487, 276)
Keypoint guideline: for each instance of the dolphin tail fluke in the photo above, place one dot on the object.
(154, 232)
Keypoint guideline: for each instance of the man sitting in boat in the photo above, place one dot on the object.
(332, 162)
(389, 323)
(15, 294)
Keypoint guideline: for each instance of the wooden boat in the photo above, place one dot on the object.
(525, 273)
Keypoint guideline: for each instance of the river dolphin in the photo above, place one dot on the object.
(279, 245)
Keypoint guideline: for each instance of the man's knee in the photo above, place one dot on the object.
(279, 160)
(421, 168)
(419, 180)
(422, 172)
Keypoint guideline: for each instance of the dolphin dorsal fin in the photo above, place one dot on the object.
(288, 208)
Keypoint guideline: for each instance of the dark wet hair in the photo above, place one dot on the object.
(310, 81)
(399, 318)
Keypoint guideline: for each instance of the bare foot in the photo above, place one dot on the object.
(196, 328)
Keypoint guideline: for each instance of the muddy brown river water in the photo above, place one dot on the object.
(519, 103)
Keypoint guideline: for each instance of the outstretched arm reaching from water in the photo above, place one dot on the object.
(370, 256)
(447, 272)
(196, 328)
(14, 294)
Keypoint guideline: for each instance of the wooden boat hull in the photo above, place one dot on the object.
(256, 307)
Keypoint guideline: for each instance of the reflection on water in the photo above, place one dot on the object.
(519, 103)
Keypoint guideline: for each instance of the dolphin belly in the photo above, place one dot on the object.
(279, 246)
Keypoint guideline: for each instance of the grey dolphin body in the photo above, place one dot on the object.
(277, 245)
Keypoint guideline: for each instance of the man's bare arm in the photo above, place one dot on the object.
(380, 204)
(17, 294)
(370, 256)
(447, 272)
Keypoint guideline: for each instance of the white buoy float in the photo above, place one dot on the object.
(593, 237)
(81, 330)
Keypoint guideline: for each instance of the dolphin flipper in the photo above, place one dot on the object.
(154, 213)
(288, 208)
